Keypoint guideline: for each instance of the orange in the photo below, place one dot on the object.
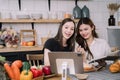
(24, 43)
(30, 43)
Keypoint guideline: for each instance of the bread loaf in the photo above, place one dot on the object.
(87, 67)
(115, 67)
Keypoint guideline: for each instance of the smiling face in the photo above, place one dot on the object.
(68, 30)
(86, 31)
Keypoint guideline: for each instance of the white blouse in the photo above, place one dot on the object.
(99, 48)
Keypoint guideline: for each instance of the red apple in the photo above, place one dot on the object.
(46, 70)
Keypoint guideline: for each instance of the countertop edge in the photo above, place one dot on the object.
(19, 49)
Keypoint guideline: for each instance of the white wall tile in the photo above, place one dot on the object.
(27, 4)
(13, 5)
(98, 13)
(40, 5)
(4, 6)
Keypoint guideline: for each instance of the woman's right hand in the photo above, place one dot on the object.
(81, 50)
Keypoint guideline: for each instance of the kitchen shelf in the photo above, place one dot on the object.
(31, 21)
(28, 36)
(113, 27)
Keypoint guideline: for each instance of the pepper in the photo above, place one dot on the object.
(36, 72)
(26, 75)
(26, 66)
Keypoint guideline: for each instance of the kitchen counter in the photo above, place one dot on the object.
(98, 75)
(103, 75)
(19, 49)
(13, 54)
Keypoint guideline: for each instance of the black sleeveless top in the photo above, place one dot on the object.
(54, 45)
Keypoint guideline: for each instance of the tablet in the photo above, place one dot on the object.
(74, 62)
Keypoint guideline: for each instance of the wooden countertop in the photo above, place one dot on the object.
(57, 77)
(19, 49)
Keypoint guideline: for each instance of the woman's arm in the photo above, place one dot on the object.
(46, 57)
(81, 50)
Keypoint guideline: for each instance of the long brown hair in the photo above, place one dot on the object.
(79, 39)
(59, 36)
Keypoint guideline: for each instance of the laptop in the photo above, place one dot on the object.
(74, 62)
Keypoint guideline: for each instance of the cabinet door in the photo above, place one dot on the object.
(114, 38)
(10, 56)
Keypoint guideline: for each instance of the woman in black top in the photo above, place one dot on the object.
(63, 41)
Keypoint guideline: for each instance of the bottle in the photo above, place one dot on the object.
(76, 11)
(111, 21)
(85, 12)
(64, 71)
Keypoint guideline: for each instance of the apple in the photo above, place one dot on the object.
(46, 70)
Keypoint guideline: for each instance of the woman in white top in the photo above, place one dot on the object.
(88, 40)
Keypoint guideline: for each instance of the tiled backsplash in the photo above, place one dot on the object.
(98, 13)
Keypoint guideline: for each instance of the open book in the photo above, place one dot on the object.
(97, 59)
(115, 53)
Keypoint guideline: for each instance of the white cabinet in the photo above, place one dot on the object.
(114, 36)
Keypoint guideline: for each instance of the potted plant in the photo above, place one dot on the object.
(9, 37)
(113, 7)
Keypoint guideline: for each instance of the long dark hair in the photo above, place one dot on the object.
(59, 36)
(79, 39)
